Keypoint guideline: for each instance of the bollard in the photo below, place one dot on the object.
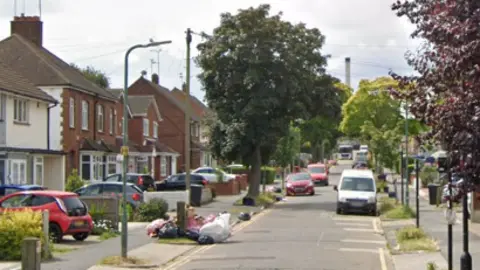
(46, 228)
(31, 253)
(181, 215)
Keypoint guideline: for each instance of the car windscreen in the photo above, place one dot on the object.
(316, 169)
(357, 184)
(135, 189)
(345, 150)
(300, 177)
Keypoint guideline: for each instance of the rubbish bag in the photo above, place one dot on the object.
(205, 240)
(248, 201)
(219, 229)
(192, 235)
(155, 226)
(244, 216)
(169, 230)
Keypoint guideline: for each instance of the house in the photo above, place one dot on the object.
(201, 111)
(86, 121)
(147, 153)
(172, 129)
(25, 153)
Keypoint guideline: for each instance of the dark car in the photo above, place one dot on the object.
(134, 193)
(9, 189)
(143, 181)
(177, 182)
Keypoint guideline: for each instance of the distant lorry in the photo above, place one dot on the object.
(345, 152)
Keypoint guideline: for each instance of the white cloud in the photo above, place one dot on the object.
(97, 33)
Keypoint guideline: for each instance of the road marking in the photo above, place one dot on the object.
(358, 250)
(383, 261)
(320, 238)
(363, 241)
(352, 224)
(358, 219)
(375, 226)
(358, 230)
(188, 258)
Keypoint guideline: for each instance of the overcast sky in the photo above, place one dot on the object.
(97, 33)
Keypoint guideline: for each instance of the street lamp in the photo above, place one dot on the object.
(125, 140)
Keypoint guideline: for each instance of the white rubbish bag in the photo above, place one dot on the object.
(219, 229)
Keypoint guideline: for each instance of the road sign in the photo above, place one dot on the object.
(124, 151)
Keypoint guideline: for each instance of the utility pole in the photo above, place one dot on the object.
(187, 116)
(158, 51)
(407, 176)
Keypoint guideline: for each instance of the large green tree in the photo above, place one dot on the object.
(259, 73)
(94, 75)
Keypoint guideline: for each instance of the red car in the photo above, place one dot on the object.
(300, 184)
(319, 173)
(68, 214)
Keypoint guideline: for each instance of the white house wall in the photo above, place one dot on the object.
(31, 135)
(55, 118)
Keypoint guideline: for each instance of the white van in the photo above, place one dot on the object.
(364, 147)
(357, 192)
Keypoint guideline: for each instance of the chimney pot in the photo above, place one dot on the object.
(29, 27)
(155, 78)
(184, 87)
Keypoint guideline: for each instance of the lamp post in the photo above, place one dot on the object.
(466, 258)
(125, 140)
(407, 175)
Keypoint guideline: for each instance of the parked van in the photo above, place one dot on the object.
(357, 192)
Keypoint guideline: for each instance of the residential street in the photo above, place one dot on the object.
(301, 233)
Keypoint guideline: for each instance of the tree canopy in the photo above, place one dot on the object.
(94, 75)
(260, 73)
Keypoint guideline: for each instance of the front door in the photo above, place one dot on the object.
(2, 172)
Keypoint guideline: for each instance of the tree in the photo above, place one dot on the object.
(259, 73)
(288, 147)
(444, 95)
(94, 75)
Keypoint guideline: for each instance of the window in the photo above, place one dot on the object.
(142, 165)
(92, 190)
(84, 115)
(197, 130)
(38, 171)
(71, 113)
(93, 167)
(110, 120)
(117, 189)
(3, 101)
(41, 200)
(163, 166)
(113, 178)
(20, 200)
(111, 165)
(192, 130)
(85, 172)
(115, 124)
(17, 175)
(146, 127)
(155, 130)
(20, 110)
(100, 118)
(98, 168)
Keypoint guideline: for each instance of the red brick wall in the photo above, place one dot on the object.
(72, 137)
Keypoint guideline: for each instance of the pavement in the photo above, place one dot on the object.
(299, 233)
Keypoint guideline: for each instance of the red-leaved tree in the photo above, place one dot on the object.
(446, 94)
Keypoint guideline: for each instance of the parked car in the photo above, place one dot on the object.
(300, 183)
(134, 193)
(68, 215)
(332, 162)
(177, 182)
(143, 181)
(356, 192)
(9, 189)
(212, 174)
(319, 173)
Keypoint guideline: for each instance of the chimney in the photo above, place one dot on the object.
(347, 71)
(184, 87)
(155, 78)
(29, 27)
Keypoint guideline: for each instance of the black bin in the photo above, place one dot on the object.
(433, 193)
(196, 195)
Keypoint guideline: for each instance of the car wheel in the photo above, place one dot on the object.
(339, 212)
(55, 232)
(326, 183)
(374, 212)
(80, 236)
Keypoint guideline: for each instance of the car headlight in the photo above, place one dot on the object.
(289, 185)
(372, 200)
(310, 184)
(342, 199)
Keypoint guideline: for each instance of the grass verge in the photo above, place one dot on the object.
(177, 241)
(62, 249)
(263, 199)
(120, 261)
(107, 235)
(411, 238)
(390, 209)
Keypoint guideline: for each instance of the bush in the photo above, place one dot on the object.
(269, 174)
(410, 233)
(386, 204)
(400, 212)
(74, 181)
(100, 223)
(14, 227)
(154, 209)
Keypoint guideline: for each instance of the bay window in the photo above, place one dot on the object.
(93, 167)
(142, 164)
(18, 172)
(111, 164)
(163, 166)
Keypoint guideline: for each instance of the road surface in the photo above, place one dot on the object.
(301, 233)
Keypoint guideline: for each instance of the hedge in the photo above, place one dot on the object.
(14, 227)
(268, 172)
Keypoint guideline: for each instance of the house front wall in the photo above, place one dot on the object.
(55, 127)
(32, 133)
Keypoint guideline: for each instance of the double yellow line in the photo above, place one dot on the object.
(188, 257)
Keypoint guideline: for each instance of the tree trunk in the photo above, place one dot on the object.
(254, 174)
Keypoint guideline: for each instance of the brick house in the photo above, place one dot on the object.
(87, 120)
(172, 128)
(201, 111)
(147, 152)
(25, 154)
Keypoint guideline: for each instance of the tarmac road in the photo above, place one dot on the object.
(301, 233)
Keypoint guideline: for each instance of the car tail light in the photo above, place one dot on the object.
(136, 197)
(140, 181)
(61, 205)
(204, 182)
